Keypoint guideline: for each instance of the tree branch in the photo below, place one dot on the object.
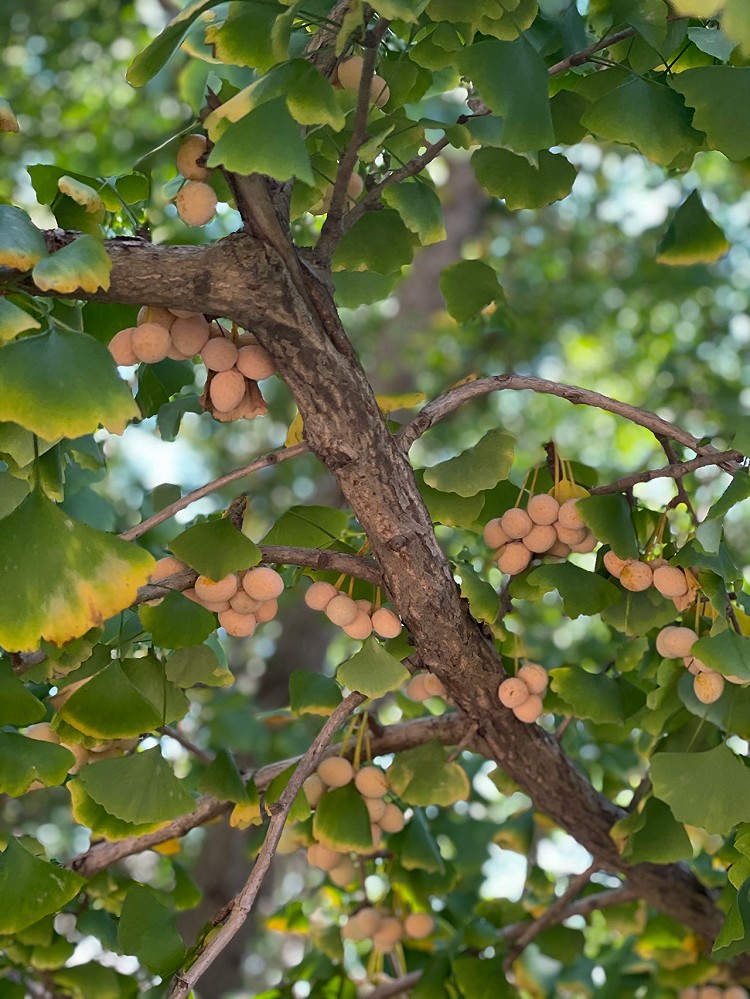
(241, 905)
(676, 471)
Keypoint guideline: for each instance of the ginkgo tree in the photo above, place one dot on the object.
(450, 723)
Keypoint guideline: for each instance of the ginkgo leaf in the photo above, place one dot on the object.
(82, 194)
(692, 236)
(62, 384)
(89, 813)
(138, 788)
(18, 706)
(14, 320)
(422, 776)
(710, 789)
(35, 887)
(84, 264)
(147, 929)
(24, 760)
(341, 821)
(60, 578)
(109, 706)
(372, 671)
(21, 243)
(480, 467)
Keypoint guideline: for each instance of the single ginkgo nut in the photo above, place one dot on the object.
(569, 516)
(380, 92)
(190, 335)
(540, 538)
(530, 710)
(368, 921)
(587, 544)
(534, 676)
(150, 342)
(237, 625)
(433, 685)
(191, 148)
(543, 509)
(636, 576)
(516, 523)
(341, 610)
(613, 563)
(216, 590)
(255, 362)
(514, 559)
(263, 583)
(314, 789)
(319, 595)
(155, 314)
(419, 925)
(355, 186)
(227, 390)
(708, 687)
(494, 535)
(388, 934)
(219, 354)
(343, 873)
(375, 808)
(371, 782)
(267, 611)
(570, 535)
(335, 771)
(349, 72)
(674, 642)
(196, 203)
(393, 820)
(512, 692)
(243, 603)
(670, 581)
(416, 689)
(559, 549)
(164, 567)
(360, 628)
(121, 347)
(385, 623)
(323, 857)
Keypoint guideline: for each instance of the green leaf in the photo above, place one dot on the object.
(646, 115)
(482, 978)
(692, 236)
(608, 517)
(589, 695)
(266, 141)
(313, 694)
(372, 671)
(148, 62)
(379, 242)
(450, 509)
(735, 23)
(157, 383)
(139, 788)
(147, 929)
(710, 789)
(21, 244)
(24, 760)
(177, 622)
(513, 81)
(215, 548)
(355, 288)
(242, 40)
(483, 600)
(652, 836)
(721, 98)
(712, 41)
(402, 10)
(479, 468)
(731, 936)
(648, 17)
(14, 320)
(60, 578)
(84, 264)
(341, 820)
(62, 384)
(197, 664)
(147, 674)
(223, 780)
(419, 208)
(89, 813)
(728, 653)
(421, 776)
(468, 287)
(736, 492)
(582, 592)
(300, 808)
(94, 981)
(18, 706)
(416, 847)
(109, 706)
(308, 527)
(520, 183)
(36, 887)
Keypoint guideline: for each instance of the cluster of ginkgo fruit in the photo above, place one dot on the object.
(545, 527)
(676, 642)
(356, 618)
(713, 992)
(235, 361)
(385, 928)
(242, 600)
(523, 692)
(637, 575)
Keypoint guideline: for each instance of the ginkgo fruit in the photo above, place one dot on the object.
(512, 692)
(569, 516)
(670, 581)
(494, 535)
(343, 873)
(226, 390)
(530, 710)
(267, 611)
(386, 623)
(150, 342)
(349, 72)
(540, 538)
(375, 808)
(516, 523)
(380, 92)
(155, 314)
(196, 203)
(636, 576)
(371, 782)
(237, 625)
(341, 610)
(121, 347)
(419, 925)
(360, 628)
(392, 820)
(514, 559)
(191, 149)
(263, 583)
(216, 590)
(708, 687)
(613, 563)
(388, 934)
(534, 676)
(255, 362)
(323, 857)
(674, 642)
(190, 335)
(543, 509)
(219, 354)
(319, 595)
(314, 789)
(335, 771)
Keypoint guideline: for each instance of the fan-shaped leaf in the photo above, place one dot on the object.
(342, 822)
(109, 706)
(481, 467)
(710, 790)
(35, 887)
(14, 320)
(90, 814)
(147, 929)
(692, 236)
(23, 761)
(138, 788)
(21, 243)
(18, 706)
(215, 548)
(84, 264)
(372, 671)
(421, 776)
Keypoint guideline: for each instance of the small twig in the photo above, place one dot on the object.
(200, 754)
(396, 987)
(467, 739)
(562, 728)
(453, 399)
(273, 458)
(682, 496)
(332, 229)
(242, 904)
(554, 913)
(676, 471)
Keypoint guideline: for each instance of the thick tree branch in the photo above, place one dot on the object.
(241, 905)
(676, 471)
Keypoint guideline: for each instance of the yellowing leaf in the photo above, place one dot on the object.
(295, 433)
(62, 384)
(565, 490)
(406, 400)
(169, 847)
(21, 243)
(81, 193)
(88, 813)
(84, 264)
(59, 578)
(14, 321)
